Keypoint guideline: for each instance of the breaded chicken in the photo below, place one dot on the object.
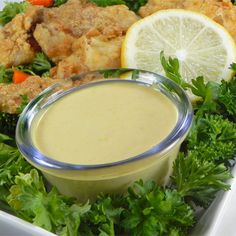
(78, 36)
(10, 94)
(221, 11)
(63, 25)
(15, 44)
(90, 53)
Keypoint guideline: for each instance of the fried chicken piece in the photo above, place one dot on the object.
(62, 25)
(15, 45)
(55, 43)
(90, 53)
(221, 11)
(10, 94)
(156, 5)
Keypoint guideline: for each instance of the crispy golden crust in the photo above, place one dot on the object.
(222, 11)
(10, 94)
(78, 36)
(62, 26)
(15, 47)
(55, 43)
(90, 53)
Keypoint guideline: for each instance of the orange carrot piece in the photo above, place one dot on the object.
(45, 3)
(19, 76)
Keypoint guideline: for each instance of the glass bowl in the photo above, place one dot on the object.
(86, 181)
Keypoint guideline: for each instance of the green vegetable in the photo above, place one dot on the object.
(217, 98)
(199, 179)
(52, 211)
(105, 3)
(227, 98)
(134, 5)
(8, 123)
(11, 163)
(5, 75)
(58, 3)
(171, 67)
(152, 210)
(201, 171)
(119, 73)
(103, 217)
(213, 138)
(10, 10)
(145, 210)
(39, 66)
(24, 102)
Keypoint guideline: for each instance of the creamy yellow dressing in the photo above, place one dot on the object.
(105, 123)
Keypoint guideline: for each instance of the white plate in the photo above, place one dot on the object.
(219, 219)
(13, 226)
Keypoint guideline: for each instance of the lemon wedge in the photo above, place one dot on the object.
(203, 47)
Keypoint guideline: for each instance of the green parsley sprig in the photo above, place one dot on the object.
(11, 9)
(5, 74)
(152, 210)
(58, 3)
(39, 66)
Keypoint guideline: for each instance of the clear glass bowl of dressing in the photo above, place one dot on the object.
(100, 131)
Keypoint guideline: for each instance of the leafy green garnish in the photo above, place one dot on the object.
(219, 98)
(213, 138)
(103, 217)
(199, 179)
(24, 102)
(104, 3)
(117, 73)
(227, 97)
(11, 9)
(201, 171)
(52, 211)
(41, 63)
(171, 68)
(134, 5)
(5, 75)
(58, 3)
(11, 163)
(152, 210)
(8, 123)
(39, 66)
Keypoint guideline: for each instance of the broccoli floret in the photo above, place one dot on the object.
(8, 123)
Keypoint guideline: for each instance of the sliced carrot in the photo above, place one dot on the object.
(19, 76)
(45, 3)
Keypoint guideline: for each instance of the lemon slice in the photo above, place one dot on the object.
(203, 47)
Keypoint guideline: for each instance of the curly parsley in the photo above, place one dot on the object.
(11, 9)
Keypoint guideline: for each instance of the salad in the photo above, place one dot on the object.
(201, 170)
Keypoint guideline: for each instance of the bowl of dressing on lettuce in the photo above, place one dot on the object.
(100, 131)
